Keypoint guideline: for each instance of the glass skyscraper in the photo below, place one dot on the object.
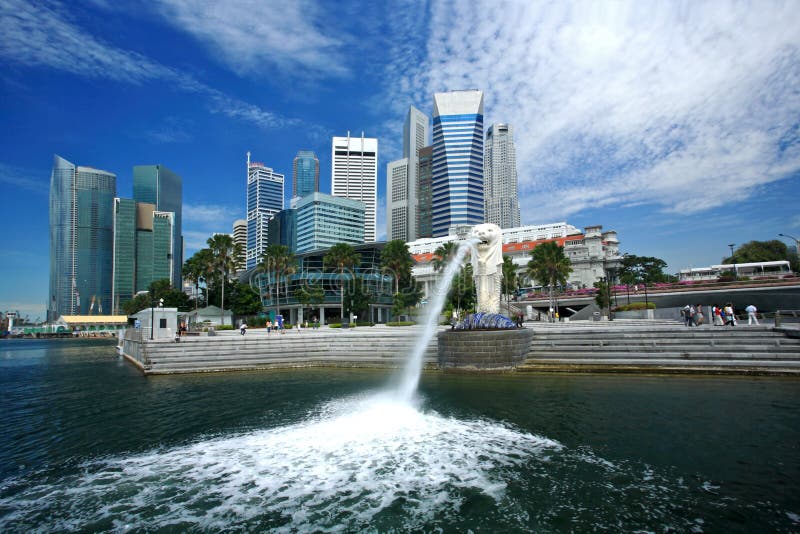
(354, 175)
(457, 167)
(81, 239)
(157, 185)
(264, 199)
(324, 220)
(306, 174)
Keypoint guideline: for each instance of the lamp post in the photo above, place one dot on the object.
(152, 315)
(796, 242)
(733, 260)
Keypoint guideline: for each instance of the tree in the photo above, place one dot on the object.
(396, 259)
(443, 255)
(307, 295)
(357, 299)
(277, 262)
(198, 268)
(509, 278)
(244, 300)
(158, 290)
(341, 257)
(462, 291)
(603, 297)
(549, 265)
(757, 251)
(225, 253)
(643, 269)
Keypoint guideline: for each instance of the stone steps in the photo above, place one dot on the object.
(665, 355)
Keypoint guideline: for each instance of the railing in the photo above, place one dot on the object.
(784, 315)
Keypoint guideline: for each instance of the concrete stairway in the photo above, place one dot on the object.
(360, 347)
(663, 347)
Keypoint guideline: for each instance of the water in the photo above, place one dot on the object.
(90, 444)
(407, 386)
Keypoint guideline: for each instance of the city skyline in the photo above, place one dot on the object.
(676, 126)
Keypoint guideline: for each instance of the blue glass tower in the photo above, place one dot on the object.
(157, 185)
(306, 174)
(81, 239)
(457, 164)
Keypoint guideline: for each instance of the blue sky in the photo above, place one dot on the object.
(676, 124)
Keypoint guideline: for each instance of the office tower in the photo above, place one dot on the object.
(501, 204)
(457, 174)
(424, 198)
(124, 276)
(81, 239)
(305, 174)
(264, 199)
(283, 228)
(397, 200)
(354, 175)
(416, 135)
(240, 238)
(324, 220)
(157, 185)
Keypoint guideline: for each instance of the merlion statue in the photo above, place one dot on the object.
(487, 270)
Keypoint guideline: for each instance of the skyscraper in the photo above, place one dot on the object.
(81, 239)
(324, 220)
(424, 198)
(354, 175)
(264, 199)
(500, 177)
(457, 168)
(305, 174)
(157, 185)
(240, 238)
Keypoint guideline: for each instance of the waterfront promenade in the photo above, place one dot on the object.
(619, 346)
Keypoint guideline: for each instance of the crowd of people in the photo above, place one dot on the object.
(692, 315)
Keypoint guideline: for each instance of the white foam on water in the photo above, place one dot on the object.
(334, 471)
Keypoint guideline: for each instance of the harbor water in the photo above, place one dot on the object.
(88, 443)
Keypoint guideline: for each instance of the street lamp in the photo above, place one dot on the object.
(796, 242)
(733, 260)
(152, 315)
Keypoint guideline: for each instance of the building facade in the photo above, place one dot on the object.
(81, 239)
(158, 185)
(305, 174)
(324, 220)
(354, 175)
(240, 238)
(398, 201)
(501, 202)
(457, 167)
(264, 199)
(424, 213)
(283, 229)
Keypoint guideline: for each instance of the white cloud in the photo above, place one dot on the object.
(253, 36)
(208, 215)
(683, 106)
(36, 34)
(24, 179)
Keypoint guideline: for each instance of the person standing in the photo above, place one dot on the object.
(729, 317)
(699, 318)
(752, 314)
(243, 328)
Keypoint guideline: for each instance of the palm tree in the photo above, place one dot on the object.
(276, 262)
(443, 255)
(340, 257)
(396, 259)
(197, 268)
(509, 279)
(225, 252)
(549, 264)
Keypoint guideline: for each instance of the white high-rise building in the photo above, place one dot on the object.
(501, 203)
(240, 238)
(354, 175)
(457, 167)
(264, 199)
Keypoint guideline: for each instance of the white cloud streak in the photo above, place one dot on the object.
(256, 36)
(23, 179)
(684, 106)
(43, 35)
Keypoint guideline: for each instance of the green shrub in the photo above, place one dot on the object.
(404, 323)
(223, 327)
(334, 325)
(365, 323)
(635, 306)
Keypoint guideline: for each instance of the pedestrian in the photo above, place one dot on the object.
(730, 318)
(699, 318)
(243, 328)
(716, 311)
(269, 327)
(686, 313)
(314, 324)
(752, 314)
(279, 322)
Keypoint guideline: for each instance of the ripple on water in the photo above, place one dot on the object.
(344, 467)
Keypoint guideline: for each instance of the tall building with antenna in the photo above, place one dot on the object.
(264, 199)
(354, 175)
